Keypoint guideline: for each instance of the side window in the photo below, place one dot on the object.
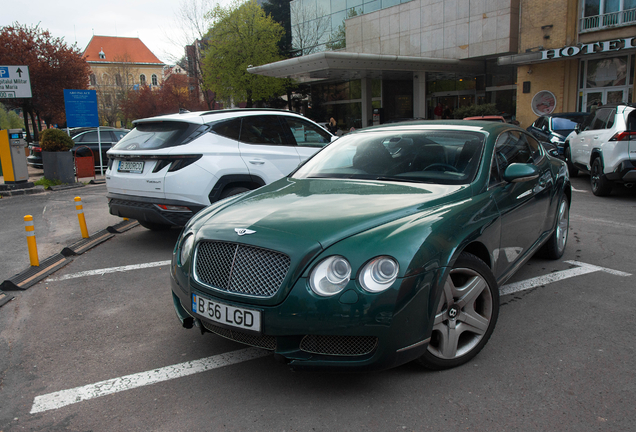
(227, 128)
(512, 147)
(600, 119)
(262, 130)
(610, 119)
(539, 123)
(88, 137)
(495, 175)
(535, 147)
(305, 133)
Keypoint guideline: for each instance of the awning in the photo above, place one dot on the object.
(331, 66)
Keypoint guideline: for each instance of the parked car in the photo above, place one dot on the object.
(84, 137)
(388, 246)
(554, 128)
(170, 167)
(605, 147)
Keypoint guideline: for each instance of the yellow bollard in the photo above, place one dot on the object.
(80, 216)
(126, 219)
(33, 247)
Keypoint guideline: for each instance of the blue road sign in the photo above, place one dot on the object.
(81, 108)
(4, 72)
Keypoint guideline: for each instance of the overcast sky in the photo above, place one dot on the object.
(155, 23)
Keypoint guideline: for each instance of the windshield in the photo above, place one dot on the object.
(425, 156)
(563, 124)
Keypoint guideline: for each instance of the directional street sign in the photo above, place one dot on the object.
(15, 82)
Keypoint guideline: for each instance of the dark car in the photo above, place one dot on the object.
(84, 137)
(389, 245)
(554, 128)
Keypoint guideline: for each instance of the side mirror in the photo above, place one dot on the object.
(520, 172)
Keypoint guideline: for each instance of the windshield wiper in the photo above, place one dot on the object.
(402, 179)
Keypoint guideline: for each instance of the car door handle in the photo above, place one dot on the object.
(596, 137)
(256, 161)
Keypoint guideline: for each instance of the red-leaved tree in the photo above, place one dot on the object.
(53, 67)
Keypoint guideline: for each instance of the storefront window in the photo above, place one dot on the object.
(607, 72)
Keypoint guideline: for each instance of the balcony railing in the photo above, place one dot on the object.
(614, 19)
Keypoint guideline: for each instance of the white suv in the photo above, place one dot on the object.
(605, 147)
(168, 168)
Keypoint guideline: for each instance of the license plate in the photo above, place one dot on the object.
(131, 167)
(248, 319)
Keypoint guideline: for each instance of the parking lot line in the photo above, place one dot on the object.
(78, 394)
(109, 270)
(581, 269)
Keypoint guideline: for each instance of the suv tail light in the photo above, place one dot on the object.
(623, 136)
(176, 162)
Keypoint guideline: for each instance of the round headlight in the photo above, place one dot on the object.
(379, 274)
(186, 248)
(330, 276)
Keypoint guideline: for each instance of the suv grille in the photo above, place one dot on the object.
(241, 269)
(339, 345)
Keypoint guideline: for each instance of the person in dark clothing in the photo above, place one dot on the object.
(332, 126)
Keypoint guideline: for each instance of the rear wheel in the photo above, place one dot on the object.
(466, 315)
(601, 186)
(154, 226)
(574, 171)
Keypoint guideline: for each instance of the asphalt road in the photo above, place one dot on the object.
(561, 357)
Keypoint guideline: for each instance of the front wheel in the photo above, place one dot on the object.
(466, 315)
(555, 246)
(601, 186)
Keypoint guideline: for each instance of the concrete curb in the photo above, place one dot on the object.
(15, 192)
(5, 298)
(33, 275)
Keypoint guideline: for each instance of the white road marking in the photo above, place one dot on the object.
(78, 394)
(577, 190)
(603, 222)
(110, 270)
(582, 269)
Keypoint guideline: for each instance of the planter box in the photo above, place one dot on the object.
(59, 166)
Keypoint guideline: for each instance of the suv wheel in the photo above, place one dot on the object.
(574, 171)
(601, 186)
(228, 192)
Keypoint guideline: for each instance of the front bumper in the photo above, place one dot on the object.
(354, 330)
(145, 209)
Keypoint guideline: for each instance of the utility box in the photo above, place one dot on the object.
(13, 156)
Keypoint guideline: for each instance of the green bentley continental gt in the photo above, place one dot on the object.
(388, 246)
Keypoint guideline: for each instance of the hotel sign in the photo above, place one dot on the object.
(589, 48)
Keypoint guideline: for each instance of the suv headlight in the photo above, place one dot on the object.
(330, 276)
(379, 274)
(186, 248)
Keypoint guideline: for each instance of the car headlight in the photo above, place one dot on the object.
(186, 248)
(330, 276)
(379, 274)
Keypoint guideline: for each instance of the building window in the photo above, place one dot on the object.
(154, 80)
(93, 80)
(118, 80)
(599, 14)
(142, 79)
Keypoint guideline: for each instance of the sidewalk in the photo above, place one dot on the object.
(36, 174)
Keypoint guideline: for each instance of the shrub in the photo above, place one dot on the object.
(475, 110)
(55, 140)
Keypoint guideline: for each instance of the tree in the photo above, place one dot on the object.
(9, 119)
(113, 87)
(311, 27)
(338, 40)
(242, 36)
(53, 67)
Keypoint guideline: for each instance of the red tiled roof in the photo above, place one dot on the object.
(119, 48)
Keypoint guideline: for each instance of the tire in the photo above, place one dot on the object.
(601, 186)
(574, 171)
(228, 192)
(154, 226)
(555, 246)
(471, 294)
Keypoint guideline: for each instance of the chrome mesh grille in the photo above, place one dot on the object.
(339, 345)
(262, 341)
(240, 268)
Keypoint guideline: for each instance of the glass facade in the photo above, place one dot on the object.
(606, 80)
(317, 23)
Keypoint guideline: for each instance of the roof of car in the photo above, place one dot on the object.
(487, 118)
(200, 116)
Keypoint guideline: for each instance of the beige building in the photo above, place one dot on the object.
(118, 65)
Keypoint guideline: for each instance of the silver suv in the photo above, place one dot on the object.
(170, 167)
(605, 147)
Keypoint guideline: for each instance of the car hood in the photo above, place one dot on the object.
(326, 210)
